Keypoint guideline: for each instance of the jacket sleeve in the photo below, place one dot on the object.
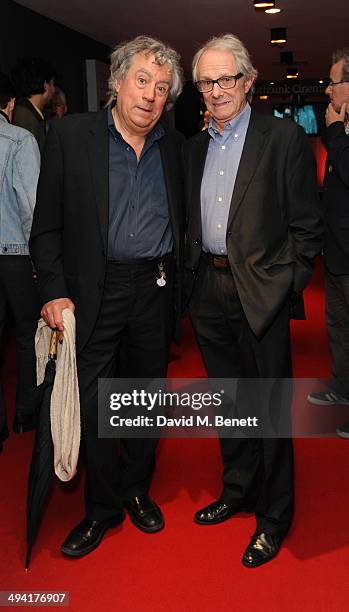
(45, 242)
(337, 145)
(25, 173)
(304, 212)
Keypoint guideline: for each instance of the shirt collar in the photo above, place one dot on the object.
(4, 117)
(156, 133)
(236, 126)
(36, 108)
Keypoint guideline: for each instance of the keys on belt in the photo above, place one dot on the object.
(217, 261)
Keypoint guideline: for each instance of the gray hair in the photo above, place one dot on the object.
(122, 56)
(59, 92)
(342, 54)
(229, 42)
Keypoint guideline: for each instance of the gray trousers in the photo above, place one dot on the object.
(337, 319)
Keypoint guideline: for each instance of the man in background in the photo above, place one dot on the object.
(19, 171)
(336, 251)
(34, 82)
(58, 107)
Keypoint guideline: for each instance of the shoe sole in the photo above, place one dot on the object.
(319, 402)
(342, 434)
(86, 551)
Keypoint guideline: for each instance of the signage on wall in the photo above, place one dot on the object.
(287, 88)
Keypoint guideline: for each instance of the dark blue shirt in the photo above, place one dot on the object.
(139, 220)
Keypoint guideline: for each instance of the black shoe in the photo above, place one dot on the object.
(145, 513)
(23, 422)
(262, 548)
(87, 535)
(216, 512)
(343, 430)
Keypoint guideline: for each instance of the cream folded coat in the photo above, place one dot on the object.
(65, 401)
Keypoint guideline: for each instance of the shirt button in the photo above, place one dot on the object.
(223, 147)
(221, 172)
(131, 235)
(222, 251)
(219, 226)
(236, 135)
(220, 199)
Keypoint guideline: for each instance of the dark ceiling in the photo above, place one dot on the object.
(315, 27)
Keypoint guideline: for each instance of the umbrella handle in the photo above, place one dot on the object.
(56, 336)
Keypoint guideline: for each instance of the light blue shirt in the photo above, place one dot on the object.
(222, 163)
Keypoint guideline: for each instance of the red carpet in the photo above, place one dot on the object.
(187, 567)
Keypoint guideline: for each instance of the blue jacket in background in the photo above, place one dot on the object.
(19, 172)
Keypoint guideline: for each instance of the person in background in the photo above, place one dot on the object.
(336, 251)
(34, 83)
(58, 107)
(19, 171)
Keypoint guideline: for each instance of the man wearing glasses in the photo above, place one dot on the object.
(336, 204)
(253, 231)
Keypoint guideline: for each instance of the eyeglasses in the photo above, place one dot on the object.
(225, 82)
(332, 83)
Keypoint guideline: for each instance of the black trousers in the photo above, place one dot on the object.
(337, 319)
(253, 469)
(136, 316)
(19, 293)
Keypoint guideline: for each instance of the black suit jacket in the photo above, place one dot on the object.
(69, 235)
(26, 116)
(274, 229)
(336, 199)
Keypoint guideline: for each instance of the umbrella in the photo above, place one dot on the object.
(41, 467)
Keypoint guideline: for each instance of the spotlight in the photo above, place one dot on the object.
(278, 36)
(292, 73)
(265, 4)
(272, 10)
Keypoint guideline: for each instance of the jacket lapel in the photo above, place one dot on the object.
(98, 152)
(169, 165)
(196, 168)
(256, 139)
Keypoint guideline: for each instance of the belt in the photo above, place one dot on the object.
(217, 261)
(142, 261)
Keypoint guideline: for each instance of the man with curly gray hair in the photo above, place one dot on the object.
(253, 231)
(107, 241)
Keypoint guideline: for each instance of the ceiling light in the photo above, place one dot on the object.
(321, 81)
(272, 10)
(265, 4)
(292, 73)
(278, 36)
